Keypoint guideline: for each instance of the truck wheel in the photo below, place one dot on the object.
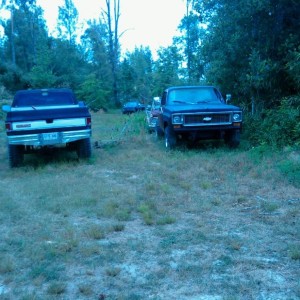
(232, 138)
(84, 149)
(15, 155)
(170, 138)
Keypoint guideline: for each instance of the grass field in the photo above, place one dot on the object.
(137, 222)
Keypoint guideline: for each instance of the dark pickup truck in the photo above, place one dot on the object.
(43, 118)
(195, 113)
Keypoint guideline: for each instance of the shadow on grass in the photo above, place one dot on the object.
(50, 156)
(202, 145)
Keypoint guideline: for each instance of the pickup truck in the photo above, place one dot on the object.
(43, 118)
(194, 113)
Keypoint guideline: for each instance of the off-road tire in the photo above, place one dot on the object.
(84, 148)
(170, 138)
(15, 155)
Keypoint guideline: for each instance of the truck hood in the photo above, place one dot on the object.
(203, 107)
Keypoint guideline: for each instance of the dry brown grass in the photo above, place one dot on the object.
(137, 222)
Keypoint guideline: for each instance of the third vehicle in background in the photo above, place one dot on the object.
(132, 107)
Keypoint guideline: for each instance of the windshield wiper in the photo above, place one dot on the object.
(178, 101)
(184, 102)
(204, 101)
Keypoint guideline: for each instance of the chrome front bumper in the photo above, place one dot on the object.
(45, 139)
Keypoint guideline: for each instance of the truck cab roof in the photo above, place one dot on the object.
(44, 97)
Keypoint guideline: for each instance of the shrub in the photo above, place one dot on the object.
(278, 127)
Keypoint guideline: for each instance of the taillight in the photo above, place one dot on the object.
(88, 121)
(8, 126)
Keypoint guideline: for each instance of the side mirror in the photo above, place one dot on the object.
(228, 98)
(6, 108)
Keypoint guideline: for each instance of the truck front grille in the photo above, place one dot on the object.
(207, 119)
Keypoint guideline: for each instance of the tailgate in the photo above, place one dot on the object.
(28, 120)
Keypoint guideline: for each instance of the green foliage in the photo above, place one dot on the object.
(6, 99)
(67, 20)
(136, 76)
(293, 66)
(12, 77)
(260, 73)
(294, 251)
(278, 127)
(166, 69)
(67, 64)
(40, 78)
(24, 31)
(250, 48)
(95, 49)
(191, 42)
(91, 91)
(41, 75)
(148, 213)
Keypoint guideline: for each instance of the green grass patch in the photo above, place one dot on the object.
(216, 217)
(294, 251)
(56, 288)
(291, 171)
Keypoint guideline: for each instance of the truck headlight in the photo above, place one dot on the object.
(177, 119)
(237, 117)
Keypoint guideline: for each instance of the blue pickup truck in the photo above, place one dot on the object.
(195, 113)
(41, 118)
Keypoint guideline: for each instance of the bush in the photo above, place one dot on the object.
(5, 98)
(12, 77)
(92, 92)
(278, 127)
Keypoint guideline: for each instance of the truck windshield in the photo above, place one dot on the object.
(43, 98)
(194, 96)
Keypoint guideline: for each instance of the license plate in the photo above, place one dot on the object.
(52, 136)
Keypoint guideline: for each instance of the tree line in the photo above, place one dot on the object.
(248, 48)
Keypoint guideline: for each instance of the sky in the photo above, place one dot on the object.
(150, 23)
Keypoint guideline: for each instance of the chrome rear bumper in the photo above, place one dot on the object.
(40, 139)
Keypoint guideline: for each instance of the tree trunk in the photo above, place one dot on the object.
(13, 50)
(114, 45)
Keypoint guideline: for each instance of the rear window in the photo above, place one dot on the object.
(43, 98)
